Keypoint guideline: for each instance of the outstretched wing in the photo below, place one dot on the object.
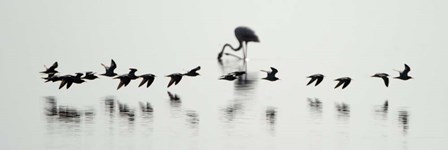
(346, 83)
(177, 79)
(195, 69)
(386, 81)
(171, 82)
(319, 80)
(274, 71)
(406, 69)
(54, 66)
(113, 65)
(339, 84)
(311, 81)
(143, 82)
(149, 82)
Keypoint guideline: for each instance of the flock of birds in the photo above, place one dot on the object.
(243, 35)
(148, 79)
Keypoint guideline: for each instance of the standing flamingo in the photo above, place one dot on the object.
(243, 35)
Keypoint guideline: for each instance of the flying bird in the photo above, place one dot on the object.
(175, 78)
(90, 75)
(384, 76)
(193, 72)
(51, 77)
(51, 70)
(110, 69)
(271, 74)
(126, 78)
(70, 79)
(232, 76)
(316, 77)
(243, 35)
(344, 80)
(404, 74)
(147, 78)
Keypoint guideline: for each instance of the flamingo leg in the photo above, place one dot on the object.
(244, 51)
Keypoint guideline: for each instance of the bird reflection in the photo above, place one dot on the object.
(315, 106)
(64, 113)
(192, 118)
(51, 107)
(343, 110)
(271, 114)
(126, 112)
(382, 109)
(403, 119)
(231, 111)
(109, 105)
(174, 99)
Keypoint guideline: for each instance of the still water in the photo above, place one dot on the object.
(250, 113)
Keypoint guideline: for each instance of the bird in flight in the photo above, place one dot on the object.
(243, 35)
(384, 76)
(52, 69)
(193, 72)
(147, 78)
(344, 80)
(404, 74)
(175, 78)
(271, 74)
(126, 78)
(70, 79)
(232, 76)
(90, 75)
(316, 77)
(110, 69)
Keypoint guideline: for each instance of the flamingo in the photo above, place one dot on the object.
(243, 35)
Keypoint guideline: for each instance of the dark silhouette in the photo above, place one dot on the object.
(175, 78)
(193, 72)
(110, 69)
(70, 79)
(126, 78)
(271, 74)
(90, 75)
(147, 78)
(232, 76)
(51, 77)
(404, 74)
(316, 77)
(384, 76)
(51, 70)
(243, 35)
(344, 80)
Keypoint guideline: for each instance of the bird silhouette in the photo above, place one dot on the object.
(271, 74)
(147, 78)
(243, 35)
(193, 72)
(90, 75)
(51, 77)
(384, 76)
(175, 78)
(110, 69)
(232, 76)
(404, 74)
(70, 79)
(126, 78)
(52, 69)
(344, 80)
(316, 77)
